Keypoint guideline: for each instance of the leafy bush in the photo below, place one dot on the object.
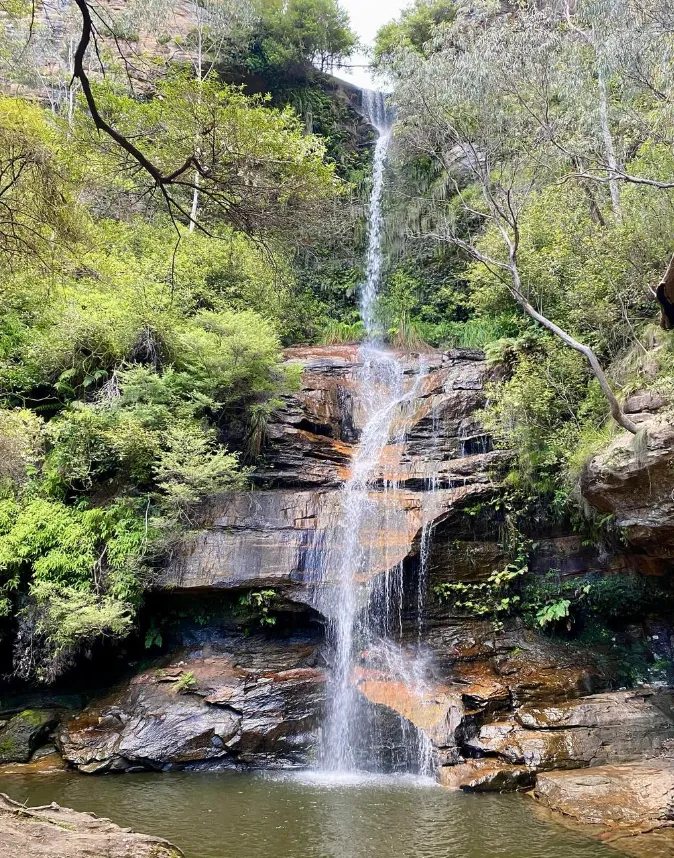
(259, 605)
(185, 683)
(494, 598)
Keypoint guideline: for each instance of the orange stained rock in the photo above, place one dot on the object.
(427, 709)
(342, 351)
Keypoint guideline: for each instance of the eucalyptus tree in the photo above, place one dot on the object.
(632, 44)
(487, 107)
(37, 212)
(220, 28)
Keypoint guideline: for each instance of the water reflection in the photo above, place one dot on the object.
(223, 815)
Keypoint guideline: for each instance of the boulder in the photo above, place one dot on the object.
(25, 732)
(637, 487)
(57, 832)
(258, 703)
(486, 775)
(644, 401)
(612, 794)
(591, 731)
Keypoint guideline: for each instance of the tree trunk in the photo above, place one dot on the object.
(195, 202)
(609, 148)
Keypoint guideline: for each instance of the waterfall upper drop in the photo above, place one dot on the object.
(374, 104)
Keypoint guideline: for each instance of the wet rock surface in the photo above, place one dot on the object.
(279, 534)
(630, 807)
(613, 794)
(245, 702)
(310, 439)
(487, 775)
(24, 733)
(57, 832)
(281, 539)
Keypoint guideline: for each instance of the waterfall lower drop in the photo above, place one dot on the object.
(363, 615)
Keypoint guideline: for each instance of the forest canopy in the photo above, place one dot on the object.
(534, 150)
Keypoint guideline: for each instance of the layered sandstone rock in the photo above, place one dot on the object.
(244, 702)
(591, 731)
(629, 807)
(634, 481)
(615, 794)
(287, 535)
(57, 832)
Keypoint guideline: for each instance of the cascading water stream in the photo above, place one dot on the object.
(375, 106)
(346, 589)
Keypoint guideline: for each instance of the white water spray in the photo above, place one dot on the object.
(355, 619)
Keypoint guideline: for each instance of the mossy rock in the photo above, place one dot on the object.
(24, 733)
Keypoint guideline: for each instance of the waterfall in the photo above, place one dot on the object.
(375, 107)
(357, 618)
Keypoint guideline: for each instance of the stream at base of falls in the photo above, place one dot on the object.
(297, 815)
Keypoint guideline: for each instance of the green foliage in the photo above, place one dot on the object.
(81, 571)
(22, 437)
(553, 612)
(153, 637)
(536, 410)
(186, 682)
(494, 598)
(624, 597)
(261, 171)
(192, 466)
(415, 29)
(534, 218)
(140, 362)
(116, 385)
(35, 194)
(259, 606)
(300, 31)
(342, 332)
(258, 420)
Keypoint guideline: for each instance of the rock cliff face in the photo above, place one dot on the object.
(496, 711)
(279, 535)
(259, 702)
(636, 486)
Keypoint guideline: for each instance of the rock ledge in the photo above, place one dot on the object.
(57, 832)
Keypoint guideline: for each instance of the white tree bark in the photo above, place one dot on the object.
(609, 147)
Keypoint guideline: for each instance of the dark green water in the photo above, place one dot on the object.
(230, 815)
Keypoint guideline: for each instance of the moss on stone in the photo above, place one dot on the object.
(34, 717)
